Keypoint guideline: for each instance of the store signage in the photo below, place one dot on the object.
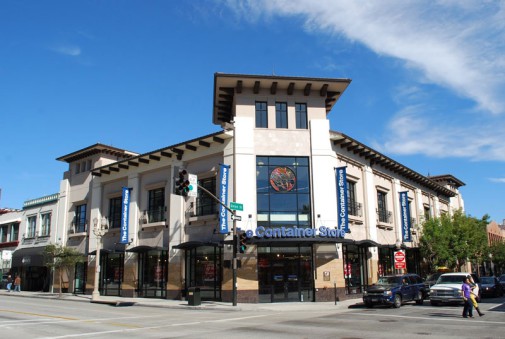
(342, 208)
(405, 212)
(223, 197)
(296, 232)
(125, 209)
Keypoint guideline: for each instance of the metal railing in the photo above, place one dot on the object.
(384, 216)
(156, 214)
(354, 208)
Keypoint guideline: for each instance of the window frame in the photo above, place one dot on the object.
(281, 115)
(45, 224)
(261, 114)
(301, 116)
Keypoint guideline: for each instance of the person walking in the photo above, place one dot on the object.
(474, 296)
(9, 283)
(17, 284)
(466, 290)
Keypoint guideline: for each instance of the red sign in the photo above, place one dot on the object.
(400, 262)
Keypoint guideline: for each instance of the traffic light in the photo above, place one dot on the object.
(242, 245)
(182, 183)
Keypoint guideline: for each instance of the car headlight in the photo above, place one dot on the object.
(457, 293)
(387, 293)
(433, 292)
(365, 293)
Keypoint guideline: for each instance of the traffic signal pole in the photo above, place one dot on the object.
(235, 242)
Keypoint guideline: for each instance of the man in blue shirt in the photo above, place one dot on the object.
(466, 290)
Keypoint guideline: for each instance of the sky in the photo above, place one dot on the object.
(428, 79)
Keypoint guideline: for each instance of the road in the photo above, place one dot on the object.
(41, 318)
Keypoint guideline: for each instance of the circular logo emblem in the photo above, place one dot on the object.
(282, 179)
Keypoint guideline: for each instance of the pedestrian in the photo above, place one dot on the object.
(474, 296)
(466, 290)
(17, 284)
(9, 283)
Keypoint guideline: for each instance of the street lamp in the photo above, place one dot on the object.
(98, 231)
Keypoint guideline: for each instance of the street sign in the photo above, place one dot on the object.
(236, 217)
(400, 262)
(193, 185)
(236, 206)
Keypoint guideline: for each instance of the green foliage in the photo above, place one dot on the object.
(498, 256)
(61, 258)
(453, 240)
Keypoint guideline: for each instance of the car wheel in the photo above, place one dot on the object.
(434, 303)
(420, 298)
(397, 302)
(369, 304)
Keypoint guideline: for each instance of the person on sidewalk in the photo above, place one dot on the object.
(474, 296)
(466, 290)
(9, 283)
(17, 284)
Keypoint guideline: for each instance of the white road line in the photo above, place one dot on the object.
(434, 318)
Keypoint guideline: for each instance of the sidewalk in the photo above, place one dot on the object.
(182, 304)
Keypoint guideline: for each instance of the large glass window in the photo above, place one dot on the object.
(111, 273)
(153, 274)
(203, 269)
(281, 115)
(301, 116)
(261, 115)
(32, 224)
(46, 224)
(205, 204)
(14, 232)
(115, 212)
(283, 191)
(3, 233)
(80, 218)
(156, 210)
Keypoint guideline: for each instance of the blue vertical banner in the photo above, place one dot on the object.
(223, 197)
(125, 216)
(343, 217)
(405, 215)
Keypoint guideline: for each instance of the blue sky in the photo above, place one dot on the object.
(428, 79)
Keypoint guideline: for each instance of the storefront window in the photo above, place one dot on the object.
(203, 270)
(112, 273)
(152, 274)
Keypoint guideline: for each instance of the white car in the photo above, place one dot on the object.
(448, 288)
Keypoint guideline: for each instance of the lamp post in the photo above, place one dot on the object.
(491, 268)
(98, 231)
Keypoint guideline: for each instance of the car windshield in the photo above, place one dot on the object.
(450, 279)
(487, 280)
(386, 281)
(433, 277)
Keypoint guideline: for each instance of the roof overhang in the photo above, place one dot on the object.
(226, 86)
(96, 149)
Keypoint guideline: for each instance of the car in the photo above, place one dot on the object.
(430, 281)
(490, 287)
(393, 290)
(448, 288)
(502, 280)
(3, 283)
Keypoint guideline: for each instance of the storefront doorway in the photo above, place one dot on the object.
(112, 267)
(285, 274)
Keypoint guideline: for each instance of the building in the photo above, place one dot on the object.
(323, 212)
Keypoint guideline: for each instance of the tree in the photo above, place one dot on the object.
(61, 259)
(497, 250)
(452, 240)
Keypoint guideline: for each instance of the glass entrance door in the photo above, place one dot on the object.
(285, 274)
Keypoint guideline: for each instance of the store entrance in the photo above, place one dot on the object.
(285, 274)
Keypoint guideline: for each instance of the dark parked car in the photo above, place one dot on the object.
(502, 281)
(393, 290)
(430, 281)
(3, 283)
(490, 287)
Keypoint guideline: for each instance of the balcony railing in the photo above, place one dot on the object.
(384, 216)
(354, 208)
(156, 214)
(78, 227)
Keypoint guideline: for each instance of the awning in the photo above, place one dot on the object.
(28, 256)
(144, 248)
(367, 243)
(102, 251)
(193, 244)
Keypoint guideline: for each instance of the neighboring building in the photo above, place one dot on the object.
(9, 237)
(285, 166)
(495, 232)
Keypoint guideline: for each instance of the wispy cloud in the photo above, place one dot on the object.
(67, 50)
(499, 180)
(455, 44)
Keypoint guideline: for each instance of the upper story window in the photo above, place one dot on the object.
(281, 115)
(80, 218)
(301, 116)
(14, 232)
(45, 227)
(382, 208)
(78, 168)
(156, 209)
(115, 212)
(354, 207)
(261, 114)
(205, 205)
(3, 233)
(427, 212)
(31, 226)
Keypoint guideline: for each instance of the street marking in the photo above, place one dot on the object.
(38, 315)
(430, 318)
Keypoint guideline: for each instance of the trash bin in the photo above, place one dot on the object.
(194, 298)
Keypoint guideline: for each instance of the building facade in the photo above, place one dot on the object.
(323, 214)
